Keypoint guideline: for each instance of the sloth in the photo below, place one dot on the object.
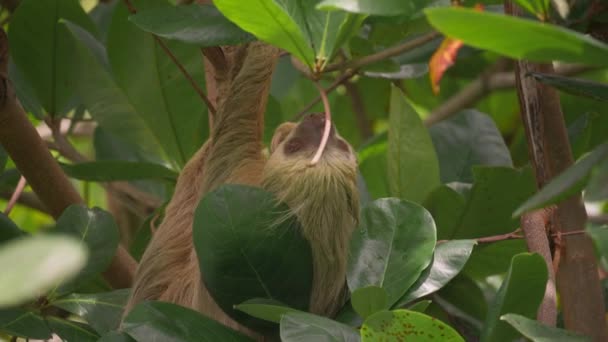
(323, 197)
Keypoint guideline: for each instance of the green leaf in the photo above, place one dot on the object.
(266, 309)
(464, 294)
(301, 327)
(448, 260)
(517, 38)
(447, 206)
(160, 321)
(540, 8)
(43, 49)
(594, 90)
(102, 311)
(376, 7)
(600, 239)
(118, 170)
(597, 188)
(538, 332)
(393, 244)
(467, 139)
(406, 325)
(71, 331)
(413, 168)
(33, 265)
(105, 101)
(369, 300)
(569, 182)
(271, 22)
(420, 306)
(97, 230)
(8, 229)
(24, 323)
(24, 91)
(373, 165)
(521, 292)
(115, 336)
(255, 244)
(155, 86)
(202, 25)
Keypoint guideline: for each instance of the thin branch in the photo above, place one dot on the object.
(15, 196)
(28, 199)
(179, 65)
(365, 128)
(339, 81)
(384, 54)
(327, 128)
(488, 82)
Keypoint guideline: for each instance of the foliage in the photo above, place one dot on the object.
(430, 189)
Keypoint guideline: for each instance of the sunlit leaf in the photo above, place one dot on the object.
(406, 325)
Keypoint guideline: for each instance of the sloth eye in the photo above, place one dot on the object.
(293, 146)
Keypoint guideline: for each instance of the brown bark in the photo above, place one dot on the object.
(33, 159)
(550, 153)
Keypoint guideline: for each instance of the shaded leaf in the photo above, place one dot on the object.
(406, 325)
(118, 170)
(467, 139)
(597, 188)
(594, 90)
(369, 300)
(8, 229)
(413, 168)
(102, 311)
(160, 321)
(372, 159)
(600, 239)
(521, 293)
(517, 38)
(448, 260)
(202, 25)
(569, 182)
(43, 49)
(33, 265)
(115, 336)
(420, 306)
(391, 247)
(71, 331)
(300, 327)
(538, 332)
(24, 323)
(256, 244)
(97, 230)
(266, 309)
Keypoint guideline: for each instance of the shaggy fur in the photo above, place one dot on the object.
(324, 198)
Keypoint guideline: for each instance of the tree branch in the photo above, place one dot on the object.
(25, 147)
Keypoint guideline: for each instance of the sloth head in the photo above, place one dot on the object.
(327, 188)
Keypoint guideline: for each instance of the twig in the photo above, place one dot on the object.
(344, 78)
(179, 65)
(384, 54)
(15, 196)
(484, 85)
(327, 128)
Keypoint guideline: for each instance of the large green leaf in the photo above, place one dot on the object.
(373, 165)
(270, 21)
(24, 91)
(467, 139)
(202, 25)
(241, 233)
(392, 246)
(567, 183)
(154, 85)
(447, 206)
(105, 101)
(97, 230)
(595, 90)
(538, 332)
(71, 331)
(597, 188)
(117, 170)
(516, 37)
(369, 300)
(24, 323)
(301, 327)
(32, 265)
(413, 168)
(43, 49)
(600, 239)
(448, 260)
(8, 229)
(521, 292)
(406, 325)
(102, 311)
(464, 293)
(376, 7)
(160, 321)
